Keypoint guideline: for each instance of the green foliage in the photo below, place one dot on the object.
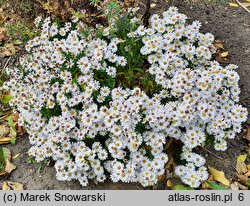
(4, 155)
(21, 31)
(215, 186)
(47, 113)
(6, 98)
(31, 160)
(113, 10)
(2, 159)
(181, 187)
(12, 126)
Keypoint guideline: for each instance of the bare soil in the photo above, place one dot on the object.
(232, 27)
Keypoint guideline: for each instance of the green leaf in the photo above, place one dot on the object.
(5, 154)
(6, 98)
(17, 42)
(13, 140)
(4, 116)
(215, 186)
(31, 160)
(181, 187)
(11, 124)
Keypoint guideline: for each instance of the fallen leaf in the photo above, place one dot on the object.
(181, 187)
(219, 176)
(220, 59)
(161, 177)
(5, 140)
(205, 186)
(247, 173)
(242, 187)
(169, 183)
(213, 49)
(234, 186)
(215, 186)
(5, 186)
(4, 131)
(233, 4)
(153, 5)
(16, 156)
(241, 165)
(248, 167)
(8, 50)
(224, 54)
(9, 167)
(12, 186)
(5, 157)
(1, 18)
(246, 4)
(246, 134)
(2, 33)
(244, 180)
(218, 44)
(15, 117)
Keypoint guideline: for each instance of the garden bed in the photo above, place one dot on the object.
(231, 26)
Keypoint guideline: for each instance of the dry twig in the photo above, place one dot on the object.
(212, 153)
(5, 65)
(240, 4)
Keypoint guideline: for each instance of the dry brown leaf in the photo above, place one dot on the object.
(8, 50)
(242, 187)
(219, 176)
(248, 167)
(233, 4)
(2, 32)
(16, 156)
(205, 186)
(241, 165)
(161, 177)
(1, 17)
(218, 44)
(12, 186)
(220, 59)
(234, 186)
(247, 174)
(247, 134)
(153, 5)
(5, 186)
(224, 54)
(246, 4)
(49, 7)
(9, 167)
(213, 49)
(244, 180)
(169, 183)
(4, 131)
(5, 140)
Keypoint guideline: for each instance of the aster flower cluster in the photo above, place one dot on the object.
(76, 113)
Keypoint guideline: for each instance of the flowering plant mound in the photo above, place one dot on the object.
(106, 100)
